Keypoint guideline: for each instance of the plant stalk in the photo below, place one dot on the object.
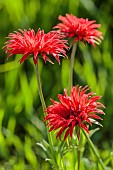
(79, 157)
(94, 150)
(40, 88)
(72, 64)
(70, 86)
(79, 150)
(44, 107)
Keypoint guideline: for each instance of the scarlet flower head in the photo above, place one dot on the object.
(27, 42)
(80, 29)
(78, 109)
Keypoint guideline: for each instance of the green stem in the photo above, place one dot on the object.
(94, 150)
(79, 156)
(72, 64)
(44, 107)
(62, 164)
(79, 151)
(70, 86)
(40, 88)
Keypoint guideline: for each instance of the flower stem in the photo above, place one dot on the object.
(79, 150)
(94, 150)
(72, 64)
(40, 88)
(44, 107)
(70, 86)
(79, 156)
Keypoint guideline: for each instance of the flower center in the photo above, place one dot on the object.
(74, 113)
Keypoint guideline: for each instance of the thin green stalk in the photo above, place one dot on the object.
(40, 88)
(72, 64)
(71, 85)
(62, 164)
(94, 150)
(79, 151)
(44, 107)
(79, 157)
(61, 147)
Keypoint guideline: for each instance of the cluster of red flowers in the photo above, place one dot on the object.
(80, 107)
(27, 42)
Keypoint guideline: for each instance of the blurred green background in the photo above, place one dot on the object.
(21, 118)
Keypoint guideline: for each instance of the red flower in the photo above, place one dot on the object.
(78, 109)
(79, 28)
(27, 42)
